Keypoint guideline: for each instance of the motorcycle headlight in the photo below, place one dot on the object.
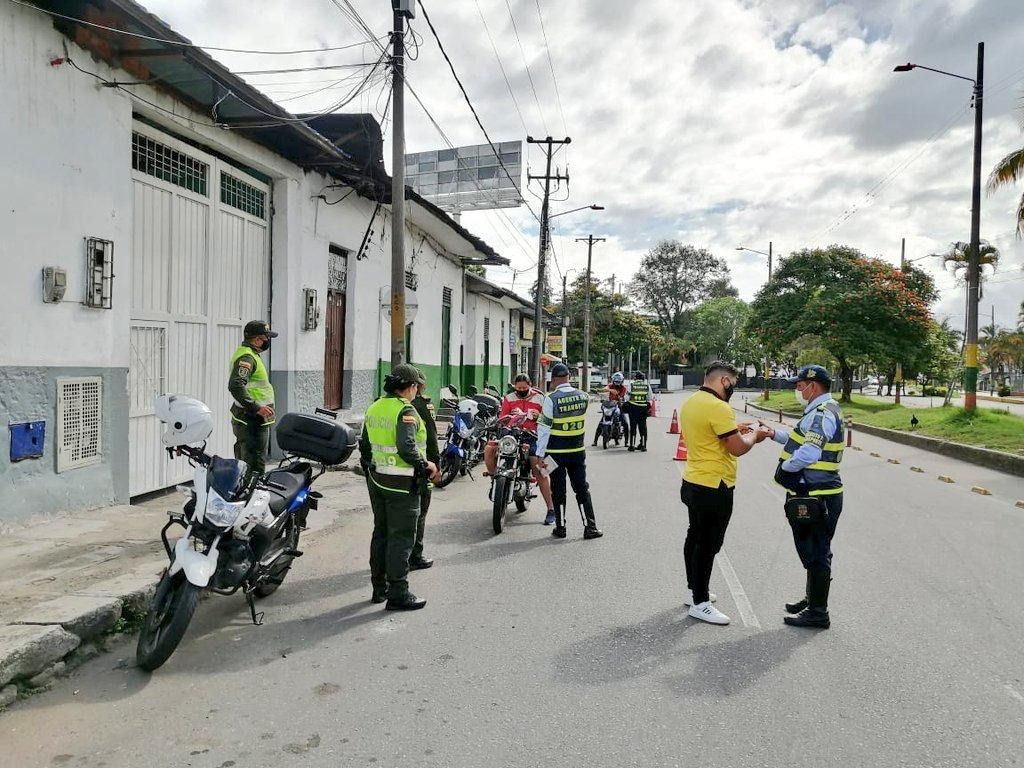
(222, 513)
(508, 445)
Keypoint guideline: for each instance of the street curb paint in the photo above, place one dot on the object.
(946, 479)
(916, 469)
(981, 491)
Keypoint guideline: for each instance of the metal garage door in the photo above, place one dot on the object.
(200, 271)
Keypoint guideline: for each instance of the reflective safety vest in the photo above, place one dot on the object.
(390, 471)
(823, 475)
(568, 417)
(638, 392)
(259, 387)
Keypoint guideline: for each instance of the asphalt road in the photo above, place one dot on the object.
(539, 652)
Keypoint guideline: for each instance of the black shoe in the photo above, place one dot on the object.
(420, 563)
(379, 595)
(798, 607)
(814, 618)
(631, 449)
(558, 532)
(406, 602)
(643, 448)
(591, 532)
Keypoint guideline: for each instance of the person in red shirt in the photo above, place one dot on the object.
(523, 398)
(615, 392)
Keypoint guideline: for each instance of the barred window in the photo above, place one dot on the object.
(244, 197)
(155, 159)
(446, 297)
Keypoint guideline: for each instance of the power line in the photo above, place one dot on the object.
(180, 43)
(551, 66)
(469, 103)
(502, 67)
(530, 76)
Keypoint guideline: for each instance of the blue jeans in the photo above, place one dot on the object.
(814, 544)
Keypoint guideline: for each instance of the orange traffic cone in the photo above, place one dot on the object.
(681, 454)
(653, 412)
(673, 428)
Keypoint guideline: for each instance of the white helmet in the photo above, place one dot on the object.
(617, 378)
(188, 420)
(469, 407)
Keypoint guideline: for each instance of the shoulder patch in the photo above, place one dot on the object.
(409, 419)
(245, 365)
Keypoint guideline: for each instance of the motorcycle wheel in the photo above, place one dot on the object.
(604, 439)
(521, 502)
(500, 495)
(169, 614)
(449, 470)
(280, 568)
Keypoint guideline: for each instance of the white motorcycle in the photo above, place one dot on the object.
(239, 533)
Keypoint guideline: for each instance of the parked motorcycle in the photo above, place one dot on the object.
(239, 534)
(611, 427)
(464, 446)
(513, 479)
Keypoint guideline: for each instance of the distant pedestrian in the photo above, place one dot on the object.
(809, 471)
(714, 440)
(637, 408)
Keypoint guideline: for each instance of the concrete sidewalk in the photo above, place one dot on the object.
(67, 582)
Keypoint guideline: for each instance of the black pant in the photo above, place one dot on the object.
(637, 422)
(575, 466)
(814, 543)
(421, 523)
(710, 510)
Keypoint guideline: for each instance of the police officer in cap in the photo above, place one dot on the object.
(561, 432)
(809, 470)
(392, 450)
(252, 411)
(425, 409)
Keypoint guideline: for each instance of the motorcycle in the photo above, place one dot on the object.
(513, 479)
(463, 448)
(611, 423)
(240, 534)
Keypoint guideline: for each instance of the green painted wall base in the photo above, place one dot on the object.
(463, 378)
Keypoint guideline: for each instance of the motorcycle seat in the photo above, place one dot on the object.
(292, 483)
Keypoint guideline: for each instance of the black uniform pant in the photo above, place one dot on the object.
(710, 510)
(417, 548)
(395, 517)
(637, 422)
(575, 466)
(251, 443)
(814, 543)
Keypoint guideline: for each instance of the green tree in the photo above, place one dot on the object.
(718, 329)
(861, 309)
(674, 277)
(1009, 170)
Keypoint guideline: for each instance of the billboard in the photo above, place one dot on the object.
(468, 178)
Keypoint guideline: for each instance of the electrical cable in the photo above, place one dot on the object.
(180, 43)
(551, 66)
(501, 66)
(522, 50)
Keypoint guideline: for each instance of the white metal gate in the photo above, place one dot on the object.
(200, 271)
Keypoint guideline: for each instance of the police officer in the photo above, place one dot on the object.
(252, 411)
(425, 409)
(637, 407)
(561, 432)
(392, 451)
(809, 470)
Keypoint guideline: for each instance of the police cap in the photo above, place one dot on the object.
(559, 370)
(813, 373)
(256, 328)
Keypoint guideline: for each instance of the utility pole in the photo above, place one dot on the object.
(398, 182)
(565, 324)
(991, 368)
(538, 310)
(589, 240)
(767, 362)
(899, 366)
(973, 267)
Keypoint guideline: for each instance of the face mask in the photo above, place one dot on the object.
(804, 397)
(266, 345)
(522, 393)
(729, 389)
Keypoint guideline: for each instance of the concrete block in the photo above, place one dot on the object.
(946, 479)
(47, 675)
(8, 696)
(84, 615)
(876, 455)
(28, 650)
(1021, 503)
(981, 491)
(893, 461)
(134, 590)
(916, 469)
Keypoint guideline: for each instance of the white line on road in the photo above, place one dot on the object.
(738, 595)
(1014, 693)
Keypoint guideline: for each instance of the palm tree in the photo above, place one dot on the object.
(1009, 170)
(1020, 318)
(957, 260)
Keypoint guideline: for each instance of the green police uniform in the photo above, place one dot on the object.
(249, 385)
(392, 450)
(425, 409)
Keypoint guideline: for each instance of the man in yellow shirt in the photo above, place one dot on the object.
(713, 440)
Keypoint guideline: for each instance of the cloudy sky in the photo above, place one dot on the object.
(717, 122)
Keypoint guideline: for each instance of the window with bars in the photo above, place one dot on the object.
(245, 197)
(411, 280)
(487, 329)
(153, 158)
(79, 422)
(446, 297)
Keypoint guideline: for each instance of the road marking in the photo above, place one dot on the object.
(1014, 693)
(738, 595)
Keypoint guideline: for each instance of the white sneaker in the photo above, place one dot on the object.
(707, 612)
(688, 598)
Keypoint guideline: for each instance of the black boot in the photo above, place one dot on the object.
(801, 604)
(559, 530)
(590, 529)
(419, 563)
(380, 594)
(815, 615)
(405, 602)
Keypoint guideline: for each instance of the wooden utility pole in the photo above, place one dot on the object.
(398, 185)
(538, 311)
(589, 240)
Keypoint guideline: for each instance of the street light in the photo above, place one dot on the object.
(973, 276)
(538, 316)
(769, 255)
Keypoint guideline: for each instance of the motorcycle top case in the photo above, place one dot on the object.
(489, 406)
(316, 438)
